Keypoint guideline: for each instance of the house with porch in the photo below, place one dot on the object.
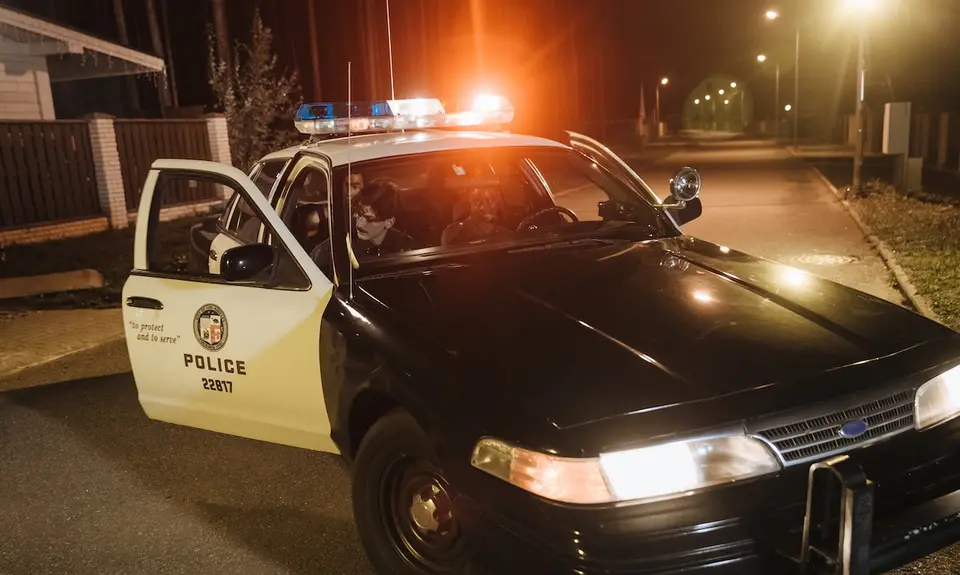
(69, 177)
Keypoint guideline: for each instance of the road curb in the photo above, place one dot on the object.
(51, 358)
(904, 284)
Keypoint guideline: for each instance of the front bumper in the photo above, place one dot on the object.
(752, 527)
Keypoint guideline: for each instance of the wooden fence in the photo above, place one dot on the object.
(140, 142)
(46, 172)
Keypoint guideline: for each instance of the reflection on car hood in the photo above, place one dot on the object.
(591, 333)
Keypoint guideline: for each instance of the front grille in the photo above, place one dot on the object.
(820, 437)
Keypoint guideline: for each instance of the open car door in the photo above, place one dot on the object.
(233, 351)
(605, 158)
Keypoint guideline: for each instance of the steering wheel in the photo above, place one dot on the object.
(552, 209)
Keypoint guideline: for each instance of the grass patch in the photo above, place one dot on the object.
(109, 252)
(926, 239)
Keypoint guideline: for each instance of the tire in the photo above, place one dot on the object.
(394, 465)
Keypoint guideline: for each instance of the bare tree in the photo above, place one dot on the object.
(131, 83)
(221, 31)
(157, 41)
(255, 96)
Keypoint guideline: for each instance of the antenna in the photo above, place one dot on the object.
(393, 95)
(350, 255)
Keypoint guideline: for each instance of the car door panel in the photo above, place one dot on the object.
(238, 358)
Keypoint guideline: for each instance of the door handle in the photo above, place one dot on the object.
(147, 302)
(213, 255)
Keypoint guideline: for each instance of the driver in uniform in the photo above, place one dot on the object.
(484, 222)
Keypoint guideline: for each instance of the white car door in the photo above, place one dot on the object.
(215, 352)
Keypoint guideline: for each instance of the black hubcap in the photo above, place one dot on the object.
(418, 515)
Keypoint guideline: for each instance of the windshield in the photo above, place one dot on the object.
(483, 199)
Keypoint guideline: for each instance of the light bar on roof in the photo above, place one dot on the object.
(384, 115)
(410, 114)
(482, 110)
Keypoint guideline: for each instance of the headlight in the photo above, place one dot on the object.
(938, 400)
(644, 473)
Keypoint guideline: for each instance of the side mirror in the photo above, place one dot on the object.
(245, 262)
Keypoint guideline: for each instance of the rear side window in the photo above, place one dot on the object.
(267, 175)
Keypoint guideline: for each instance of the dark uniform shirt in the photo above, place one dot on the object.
(471, 230)
(394, 241)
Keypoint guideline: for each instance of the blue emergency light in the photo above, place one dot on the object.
(389, 115)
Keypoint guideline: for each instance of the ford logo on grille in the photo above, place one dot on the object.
(853, 429)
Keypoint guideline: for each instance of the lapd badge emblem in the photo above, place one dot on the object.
(210, 327)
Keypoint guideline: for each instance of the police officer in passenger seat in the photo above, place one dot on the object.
(374, 213)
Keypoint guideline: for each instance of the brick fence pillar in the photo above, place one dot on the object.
(106, 166)
(219, 146)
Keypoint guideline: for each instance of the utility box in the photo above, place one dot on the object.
(896, 128)
(908, 174)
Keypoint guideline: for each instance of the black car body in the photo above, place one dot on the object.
(585, 349)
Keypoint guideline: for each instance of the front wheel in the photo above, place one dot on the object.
(403, 504)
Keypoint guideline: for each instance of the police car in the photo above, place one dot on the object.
(530, 366)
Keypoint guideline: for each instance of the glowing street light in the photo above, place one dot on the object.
(663, 82)
(721, 91)
(707, 97)
(860, 10)
(776, 106)
(772, 15)
(733, 84)
(697, 101)
(788, 107)
(725, 102)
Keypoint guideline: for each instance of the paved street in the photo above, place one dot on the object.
(89, 486)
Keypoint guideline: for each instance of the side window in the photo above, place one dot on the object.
(570, 185)
(178, 242)
(243, 222)
(267, 175)
(306, 208)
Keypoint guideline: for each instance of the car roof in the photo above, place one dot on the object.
(374, 146)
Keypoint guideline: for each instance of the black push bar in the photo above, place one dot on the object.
(838, 524)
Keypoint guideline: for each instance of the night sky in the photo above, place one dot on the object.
(563, 62)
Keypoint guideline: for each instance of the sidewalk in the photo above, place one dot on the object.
(828, 151)
(33, 338)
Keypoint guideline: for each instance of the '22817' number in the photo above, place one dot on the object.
(218, 385)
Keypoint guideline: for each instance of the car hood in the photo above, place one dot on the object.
(578, 334)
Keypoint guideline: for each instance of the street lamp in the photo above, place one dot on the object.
(776, 105)
(726, 102)
(720, 91)
(733, 84)
(860, 9)
(772, 15)
(707, 97)
(787, 108)
(663, 82)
